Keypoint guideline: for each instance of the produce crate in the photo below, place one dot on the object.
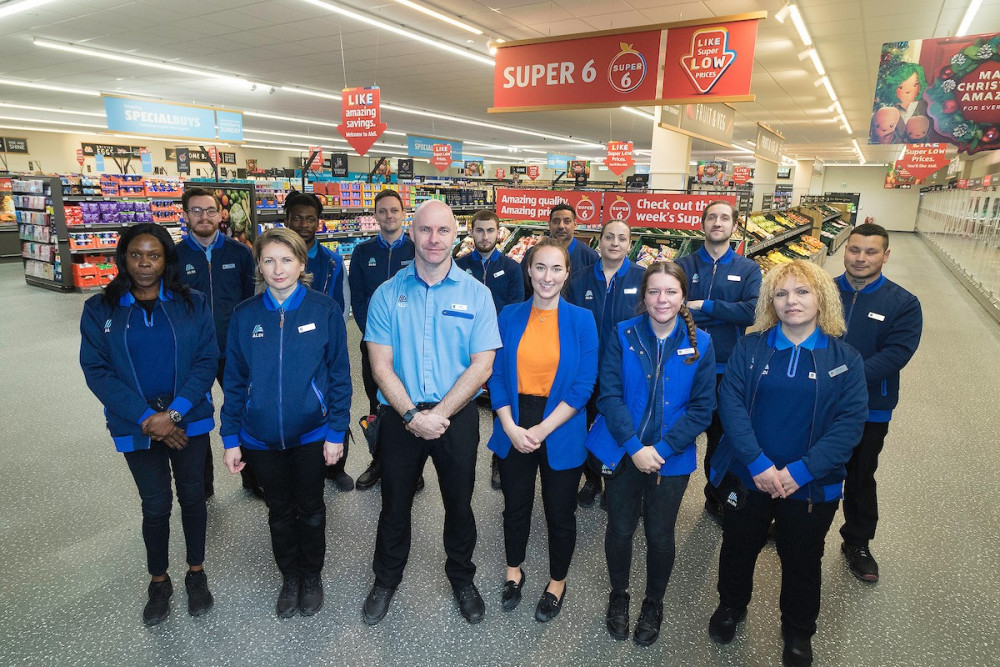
(515, 240)
(679, 244)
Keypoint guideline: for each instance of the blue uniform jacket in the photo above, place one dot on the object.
(227, 281)
(327, 269)
(287, 381)
(588, 289)
(372, 263)
(838, 415)
(628, 377)
(573, 383)
(110, 371)
(499, 272)
(729, 288)
(884, 323)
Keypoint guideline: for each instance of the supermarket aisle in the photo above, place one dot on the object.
(72, 566)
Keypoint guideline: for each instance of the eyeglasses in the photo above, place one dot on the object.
(298, 219)
(196, 211)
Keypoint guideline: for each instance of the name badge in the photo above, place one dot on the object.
(229, 266)
(685, 350)
(735, 279)
(877, 316)
(459, 306)
(838, 370)
(812, 375)
(630, 290)
(498, 273)
(307, 327)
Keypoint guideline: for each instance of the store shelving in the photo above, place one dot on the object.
(42, 231)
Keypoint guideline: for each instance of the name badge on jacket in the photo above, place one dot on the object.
(307, 327)
(877, 316)
(735, 279)
(229, 266)
(630, 290)
(498, 273)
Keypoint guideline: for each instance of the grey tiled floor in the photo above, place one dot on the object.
(72, 573)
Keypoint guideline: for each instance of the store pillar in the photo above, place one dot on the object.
(801, 179)
(765, 177)
(668, 165)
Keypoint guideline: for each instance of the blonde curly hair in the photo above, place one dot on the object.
(831, 309)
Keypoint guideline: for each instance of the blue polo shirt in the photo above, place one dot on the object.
(433, 329)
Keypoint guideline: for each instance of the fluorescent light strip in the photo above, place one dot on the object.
(364, 18)
(292, 134)
(800, 25)
(639, 113)
(970, 13)
(42, 129)
(814, 56)
(312, 93)
(289, 119)
(741, 149)
(440, 17)
(49, 87)
(52, 110)
(825, 81)
(52, 122)
(11, 8)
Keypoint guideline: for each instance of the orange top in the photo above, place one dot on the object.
(538, 353)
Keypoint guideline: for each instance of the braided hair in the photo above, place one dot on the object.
(673, 269)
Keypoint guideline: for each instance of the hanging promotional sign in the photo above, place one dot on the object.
(619, 157)
(229, 125)
(682, 62)
(663, 211)
(361, 117)
(768, 144)
(512, 204)
(404, 168)
(183, 158)
(338, 165)
(741, 174)
(189, 121)
(441, 157)
(708, 122)
(145, 156)
(710, 172)
(13, 145)
(474, 168)
(113, 150)
(417, 146)
(316, 152)
(79, 156)
(99, 164)
(252, 167)
(557, 161)
(533, 171)
(213, 155)
(519, 169)
(922, 160)
(500, 173)
(939, 90)
(194, 155)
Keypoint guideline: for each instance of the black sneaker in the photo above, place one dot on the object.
(647, 628)
(342, 481)
(200, 599)
(617, 615)
(798, 651)
(471, 604)
(376, 605)
(158, 606)
(371, 475)
(722, 625)
(588, 493)
(310, 595)
(495, 473)
(860, 562)
(288, 598)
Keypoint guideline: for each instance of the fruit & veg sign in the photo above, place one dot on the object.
(692, 61)
(361, 117)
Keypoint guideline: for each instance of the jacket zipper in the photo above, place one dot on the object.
(715, 266)
(173, 332)
(128, 354)
(850, 313)
(281, 363)
(649, 400)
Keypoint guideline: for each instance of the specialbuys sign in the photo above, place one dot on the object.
(187, 121)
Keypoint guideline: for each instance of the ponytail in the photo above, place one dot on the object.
(692, 334)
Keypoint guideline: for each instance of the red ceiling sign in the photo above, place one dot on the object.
(922, 160)
(664, 211)
(685, 62)
(361, 117)
(741, 174)
(501, 173)
(535, 204)
(79, 156)
(442, 157)
(317, 161)
(213, 155)
(987, 180)
(619, 157)
(963, 183)
(533, 171)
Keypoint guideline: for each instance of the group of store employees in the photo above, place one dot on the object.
(794, 401)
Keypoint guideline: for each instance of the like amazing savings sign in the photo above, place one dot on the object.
(693, 61)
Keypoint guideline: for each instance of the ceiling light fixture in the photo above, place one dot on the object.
(11, 8)
(639, 113)
(52, 122)
(53, 88)
(800, 25)
(440, 17)
(970, 13)
(43, 129)
(857, 148)
(26, 107)
(364, 18)
(312, 93)
(741, 149)
(814, 56)
(825, 81)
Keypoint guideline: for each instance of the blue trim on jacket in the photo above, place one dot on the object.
(589, 290)
(628, 373)
(573, 383)
(884, 324)
(287, 382)
(327, 269)
(507, 287)
(110, 371)
(838, 415)
(729, 288)
(364, 276)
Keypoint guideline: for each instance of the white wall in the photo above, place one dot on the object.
(896, 210)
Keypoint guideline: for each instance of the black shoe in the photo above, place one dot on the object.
(288, 598)
(420, 484)
(495, 473)
(200, 599)
(548, 606)
(714, 509)
(510, 597)
(310, 595)
(860, 562)
(377, 604)
(471, 604)
(342, 481)
(588, 493)
(617, 615)
(371, 475)
(158, 606)
(798, 651)
(255, 489)
(722, 625)
(647, 628)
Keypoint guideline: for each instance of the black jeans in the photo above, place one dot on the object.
(403, 456)
(657, 499)
(713, 434)
(293, 481)
(799, 532)
(860, 498)
(517, 479)
(151, 470)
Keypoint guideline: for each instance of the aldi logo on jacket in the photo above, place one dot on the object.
(258, 332)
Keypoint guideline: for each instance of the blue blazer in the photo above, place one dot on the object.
(573, 384)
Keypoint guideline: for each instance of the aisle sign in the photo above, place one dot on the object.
(361, 117)
(535, 205)
(190, 121)
(963, 183)
(768, 144)
(112, 150)
(922, 160)
(338, 165)
(709, 122)
(533, 171)
(404, 168)
(147, 161)
(987, 180)
(12, 145)
(557, 161)
(682, 62)
(741, 174)
(183, 157)
(417, 146)
(619, 157)
(317, 161)
(660, 210)
(441, 157)
(79, 156)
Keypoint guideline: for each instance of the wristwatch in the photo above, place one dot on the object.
(409, 415)
(175, 416)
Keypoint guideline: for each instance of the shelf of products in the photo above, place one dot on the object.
(38, 209)
(10, 244)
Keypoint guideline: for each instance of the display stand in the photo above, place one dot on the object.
(42, 231)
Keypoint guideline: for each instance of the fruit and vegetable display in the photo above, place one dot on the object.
(522, 246)
(468, 244)
(235, 211)
(649, 254)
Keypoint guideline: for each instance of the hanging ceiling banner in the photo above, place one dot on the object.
(361, 117)
(922, 160)
(768, 144)
(619, 157)
(417, 146)
(708, 122)
(160, 119)
(939, 90)
(441, 157)
(690, 61)
(659, 210)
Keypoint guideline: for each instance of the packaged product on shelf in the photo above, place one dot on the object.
(522, 245)
(465, 247)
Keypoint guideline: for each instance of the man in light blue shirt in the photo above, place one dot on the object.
(431, 334)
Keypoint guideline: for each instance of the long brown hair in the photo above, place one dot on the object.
(672, 269)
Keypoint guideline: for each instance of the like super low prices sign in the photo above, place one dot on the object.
(922, 160)
(662, 211)
(361, 117)
(441, 157)
(619, 157)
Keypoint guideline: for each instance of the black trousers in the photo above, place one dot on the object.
(249, 479)
(371, 387)
(860, 498)
(713, 434)
(403, 456)
(517, 479)
(592, 467)
(151, 469)
(800, 535)
(293, 481)
(631, 494)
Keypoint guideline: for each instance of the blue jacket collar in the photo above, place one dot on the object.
(622, 270)
(846, 286)
(216, 243)
(313, 251)
(293, 301)
(777, 339)
(645, 328)
(725, 259)
(494, 256)
(128, 300)
(572, 244)
(391, 246)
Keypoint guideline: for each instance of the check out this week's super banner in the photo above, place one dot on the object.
(688, 62)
